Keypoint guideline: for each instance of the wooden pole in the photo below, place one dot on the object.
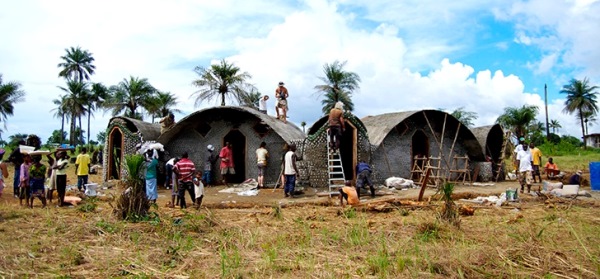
(452, 148)
(436, 140)
(424, 185)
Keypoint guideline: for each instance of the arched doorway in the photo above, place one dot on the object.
(419, 147)
(115, 154)
(348, 147)
(238, 141)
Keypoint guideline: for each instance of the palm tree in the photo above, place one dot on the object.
(128, 95)
(339, 86)
(465, 117)
(554, 124)
(224, 79)
(518, 119)
(95, 99)
(252, 99)
(10, 94)
(588, 117)
(75, 105)
(77, 64)
(303, 124)
(60, 112)
(162, 104)
(581, 98)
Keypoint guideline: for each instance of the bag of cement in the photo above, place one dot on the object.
(549, 186)
(398, 183)
(566, 191)
(511, 176)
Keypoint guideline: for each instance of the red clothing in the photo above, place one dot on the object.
(185, 170)
(226, 156)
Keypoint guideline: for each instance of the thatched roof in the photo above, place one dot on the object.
(491, 136)
(149, 131)
(288, 132)
(379, 126)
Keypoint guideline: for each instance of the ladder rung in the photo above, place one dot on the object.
(336, 172)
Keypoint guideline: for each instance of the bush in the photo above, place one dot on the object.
(133, 205)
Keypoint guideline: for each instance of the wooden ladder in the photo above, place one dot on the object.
(500, 161)
(335, 169)
(463, 173)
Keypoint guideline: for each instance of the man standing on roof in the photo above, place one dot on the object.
(336, 125)
(262, 104)
(281, 93)
(227, 166)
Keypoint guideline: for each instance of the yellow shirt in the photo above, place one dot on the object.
(83, 164)
(536, 155)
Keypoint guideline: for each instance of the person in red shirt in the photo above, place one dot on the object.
(185, 170)
(227, 166)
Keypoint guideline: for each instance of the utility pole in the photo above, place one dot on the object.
(546, 101)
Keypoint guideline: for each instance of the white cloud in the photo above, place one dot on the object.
(400, 58)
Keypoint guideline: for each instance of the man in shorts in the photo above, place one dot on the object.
(525, 168)
(261, 162)
(227, 166)
(536, 158)
(281, 94)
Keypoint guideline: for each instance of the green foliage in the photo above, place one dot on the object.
(465, 117)
(449, 212)
(89, 205)
(56, 138)
(10, 94)
(339, 86)
(133, 205)
(221, 80)
(518, 119)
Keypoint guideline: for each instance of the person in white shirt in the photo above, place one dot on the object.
(262, 104)
(261, 162)
(525, 168)
(290, 171)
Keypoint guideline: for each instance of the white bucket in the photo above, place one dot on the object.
(90, 189)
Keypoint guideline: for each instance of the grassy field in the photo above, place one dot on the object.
(539, 238)
(552, 239)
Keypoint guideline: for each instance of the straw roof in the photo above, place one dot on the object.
(483, 133)
(288, 132)
(149, 131)
(379, 126)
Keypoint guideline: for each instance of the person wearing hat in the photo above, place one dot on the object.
(262, 104)
(3, 171)
(281, 94)
(60, 169)
(575, 179)
(210, 161)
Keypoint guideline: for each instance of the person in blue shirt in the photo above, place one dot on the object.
(363, 171)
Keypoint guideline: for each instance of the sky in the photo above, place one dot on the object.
(483, 56)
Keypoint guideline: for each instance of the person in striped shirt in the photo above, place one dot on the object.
(185, 169)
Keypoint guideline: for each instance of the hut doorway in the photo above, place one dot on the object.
(238, 141)
(348, 151)
(419, 147)
(115, 154)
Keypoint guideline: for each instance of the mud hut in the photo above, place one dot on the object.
(355, 147)
(397, 138)
(491, 139)
(122, 136)
(244, 127)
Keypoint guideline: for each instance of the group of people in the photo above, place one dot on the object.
(32, 179)
(528, 159)
(281, 103)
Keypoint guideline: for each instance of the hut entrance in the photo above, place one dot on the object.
(419, 147)
(348, 151)
(238, 140)
(115, 154)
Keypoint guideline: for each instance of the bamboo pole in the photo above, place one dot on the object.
(434, 137)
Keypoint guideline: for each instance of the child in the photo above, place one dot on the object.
(3, 171)
(24, 180)
(198, 189)
(37, 177)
